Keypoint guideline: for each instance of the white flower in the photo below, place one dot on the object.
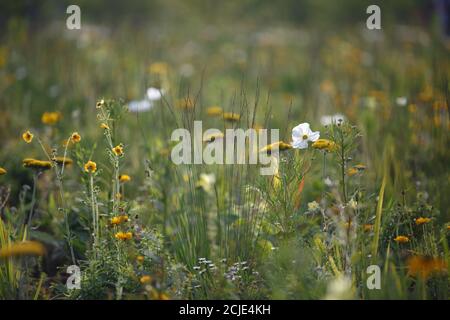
(154, 94)
(301, 134)
(140, 105)
(340, 288)
(313, 206)
(401, 101)
(331, 119)
(206, 182)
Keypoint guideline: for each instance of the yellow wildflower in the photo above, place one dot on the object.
(123, 235)
(401, 239)
(27, 137)
(282, 146)
(51, 118)
(75, 137)
(159, 68)
(124, 178)
(140, 259)
(352, 171)
(367, 227)
(324, 144)
(214, 111)
(25, 248)
(2, 171)
(36, 164)
(424, 267)
(104, 126)
(185, 104)
(90, 166)
(118, 150)
(422, 220)
(145, 279)
(231, 116)
(63, 160)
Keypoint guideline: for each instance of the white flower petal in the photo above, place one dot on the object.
(314, 136)
(300, 144)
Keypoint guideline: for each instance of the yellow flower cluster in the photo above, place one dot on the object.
(119, 219)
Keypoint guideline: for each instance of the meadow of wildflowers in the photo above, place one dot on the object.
(358, 204)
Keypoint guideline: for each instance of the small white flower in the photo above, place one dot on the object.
(331, 119)
(139, 105)
(313, 206)
(206, 182)
(401, 101)
(154, 94)
(302, 134)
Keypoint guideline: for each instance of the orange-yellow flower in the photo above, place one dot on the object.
(36, 164)
(124, 178)
(214, 111)
(422, 220)
(104, 126)
(324, 144)
(27, 137)
(75, 137)
(280, 145)
(90, 166)
(2, 171)
(123, 235)
(367, 227)
(51, 118)
(25, 248)
(63, 160)
(424, 267)
(145, 279)
(231, 116)
(140, 259)
(401, 239)
(118, 150)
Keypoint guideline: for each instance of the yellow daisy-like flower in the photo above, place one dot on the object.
(145, 279)
(27, 137)
(2, 171)
(25, 248)
(119, 219)
(123, 235)
(104, 126)
(51, 118)
(75, 137)
(159, 68)
(63, 160)
(214, 111)
(423, 266)
(213, 137)
(118, 150)
(280, 145)
(124, 178)
(100, 104)
(324, 144)
(90, 166)
(421, 220)
(185, 104)
(36, 164)
(359, 168)
(140, 259)
(231, 116)
(401, 239)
